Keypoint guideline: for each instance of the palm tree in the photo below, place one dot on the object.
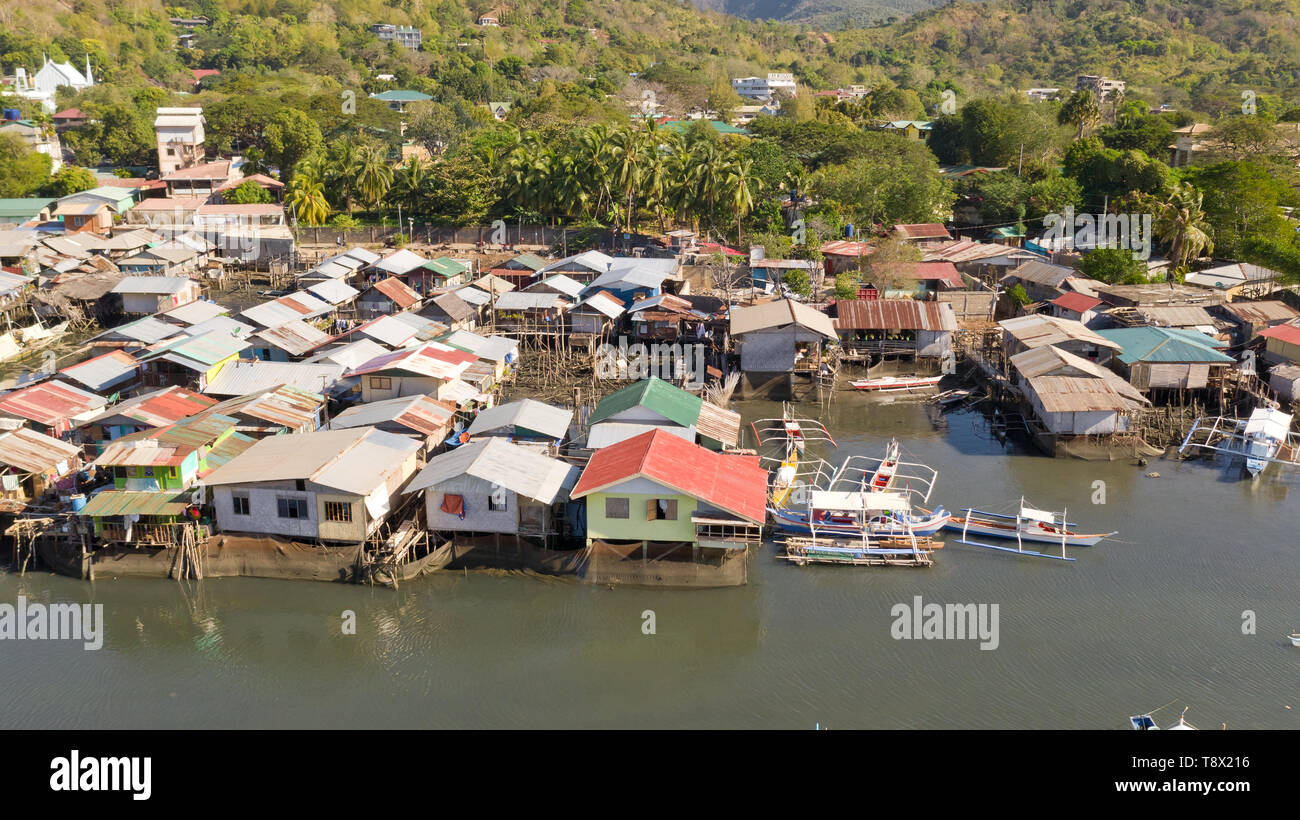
(307, 200)
(1181, 222)
(341, 170)
(374, 175)
(710, 168)
(1082, 111)
(594, 154)
(409, 182)
(740, 185)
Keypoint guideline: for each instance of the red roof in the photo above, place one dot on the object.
(49, 402)
(70, 114)
(1077, 302)
(923, 230)
(713, 247)
(847, 247)
(945, 272)
(260, 179)
(172, 405)
(729, 482)
(1286, 333)
(397, 291)
(200, 73)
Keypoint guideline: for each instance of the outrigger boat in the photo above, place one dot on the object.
(791, 435)
(866, 497)
(1028, 524)
(1263, 439)
(892, 384)
(1146, 723)
(1295, 638)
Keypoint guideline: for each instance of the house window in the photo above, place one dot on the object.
(616, 508)
(239, 503)
(381, 383)
(148, 472)
(338, 511)
(497, 502)
(661, 509)
(300, 485)
(291, 507)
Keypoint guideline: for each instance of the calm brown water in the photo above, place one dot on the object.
(1149, 617)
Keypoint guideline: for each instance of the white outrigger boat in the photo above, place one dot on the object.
(1146, 723)
(893, 384)
(1263, 439)
(791, 435)
(1028, 524)
(865, 497)
(1295, 638)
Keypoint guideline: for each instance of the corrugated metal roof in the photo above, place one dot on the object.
(968, 250)
(282, 405)
(231, 446)
(527, 414)
(846, 247)
(145, 453)
(50, 402)
(1264, 312)
(422, 414)
(126, 502)
(521, 300)
(1039, 329)
(334, 291)
(1077, 394)
(1283, 333)
(736, 484)
(400, 262)
(1165, 344)
(388, 330)
(1041, 273)
(300, 305)
(473, 296)
(492, 348)
(296, 337)
(719, 424)
(240, 378)
(612, 432)
(669, 401)
(560, 284)
(1053, 361)
(426, 360)
(603, 302)
(104, 371)
(147, 330)
(923, 230)
(221, 324)
(354, 461)
(779, 314)
(1177, 316)
(426, 329)
(1077, 302)
(394, 290)
(160, 407)
(454, 307)
(208, 348)
(521, 470)
(33, 452)
(349, 355)
(894, 314)
(195, 312)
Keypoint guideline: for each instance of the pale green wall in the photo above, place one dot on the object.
(635, 527)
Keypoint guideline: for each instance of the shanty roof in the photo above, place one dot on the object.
(333, 291)
(127, 502)
(299, 305)
(388, 330)
(1078, 394)
(206, 349)
(491, 284)
(220, 324)
(1076, 302)
(1177, 316)
(282, 405)
(473, 295)
(1283, 333)
(671, 402)
(779, 314)
(492, 348)
(530, 261)
(240, 378)
(968, 250)
(894, 314)
(612, 432)
(602, 302)
(151, 285)
(195, 312)
(445, 266)
(1165, 344)
(49, 402)
(161, 407)
(636, 272)
(521, 470)
(454, 307)
(735, 484)
(400, 262)
(526, 414)
(591, 260)
(350, 354)
(219, 169)
(1038, 329)
(420, 413)
(147, 330)
(560, 284)
(295, 338)
(940, 271)
(352, 461)
(1041, 273)
(530, 300)
(1263, 312)
(1230, 275)
(1053, 361)
(923, 230)
(104, 371)
(429, 360)
(31, 452)
(396, 292)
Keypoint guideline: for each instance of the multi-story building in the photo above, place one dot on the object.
(406, 36)
(180, 138)
(1103, 87)
(764, 88)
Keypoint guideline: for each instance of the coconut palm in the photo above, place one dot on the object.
(341, 170)
(374, 175)
(739, 186)
(1181, 222)
(307, 200)
(1082, 111)
(409, 183)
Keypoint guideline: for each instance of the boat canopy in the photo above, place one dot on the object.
(1273, 424)
(860, 501)
(1037, 515)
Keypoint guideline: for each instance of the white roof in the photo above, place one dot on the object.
(195, 312)
(147, 330)
(400, 262)
(388, 330)
(592, 260)
(277, 312)
(871, 501)
(224, 324)
(152, 284)
(606, 433)
(473, 295)
(1272, 424)
(356, 461)
(521, 470)
(240, 378)
(333, 291)
(350, 355)
(559, 282)
(527, 413)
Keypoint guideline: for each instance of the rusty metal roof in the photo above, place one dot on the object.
(161, 407)
(296, 337)
(50, 402)
(718, 424)
(423, 414)
(894, 314)
(283, 405)
(397, 292)
(1078, 394)
(33, 452)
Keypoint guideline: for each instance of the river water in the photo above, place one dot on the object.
(1150, 617)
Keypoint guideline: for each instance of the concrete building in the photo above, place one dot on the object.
(179, 133)
(405, 36)
(765, 88)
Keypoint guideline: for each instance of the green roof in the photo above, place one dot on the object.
(673, 403)
(530, 260)
(445, 266)
(25, 207)
(128, 502)
(1165, 344)
(402, 96)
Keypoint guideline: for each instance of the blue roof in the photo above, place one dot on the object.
(1165, 344)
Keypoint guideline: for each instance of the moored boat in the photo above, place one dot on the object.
(1029, 524)
(890, 384)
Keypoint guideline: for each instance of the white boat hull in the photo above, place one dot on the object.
(1033, 533)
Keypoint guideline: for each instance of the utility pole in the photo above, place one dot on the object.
(1021, 162)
